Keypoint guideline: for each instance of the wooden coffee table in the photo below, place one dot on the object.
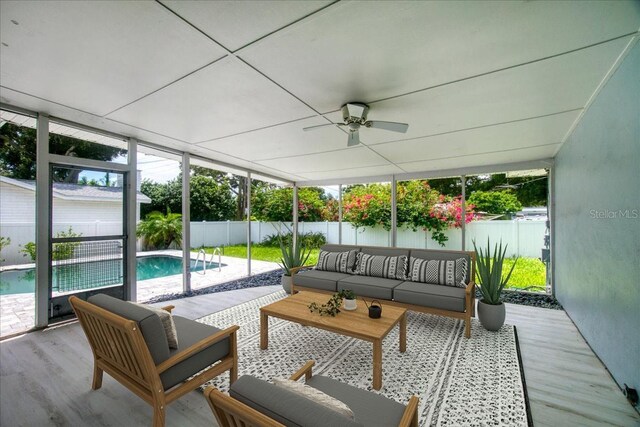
(355, 323)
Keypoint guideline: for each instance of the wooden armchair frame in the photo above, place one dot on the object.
(231, 412)
(120, 350)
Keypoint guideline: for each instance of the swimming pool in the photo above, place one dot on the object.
(147, 267)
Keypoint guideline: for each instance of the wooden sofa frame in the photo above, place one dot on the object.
(469, 299)
(231, 412)
(120, 350)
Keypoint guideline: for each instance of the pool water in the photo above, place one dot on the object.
(148, 267)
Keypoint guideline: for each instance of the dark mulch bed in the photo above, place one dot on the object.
(273, 278)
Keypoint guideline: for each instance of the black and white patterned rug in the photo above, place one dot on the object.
(459, 381)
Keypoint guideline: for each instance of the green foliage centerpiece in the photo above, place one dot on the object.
(332, 307)
(293, 256)
(491, 310)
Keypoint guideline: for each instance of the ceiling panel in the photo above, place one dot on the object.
(366, 51)
(237, 23)
(546, 87)
(492, 158)
(282, 141)
(222, 99)
(532, 132)
(348, 158)
(96, 56)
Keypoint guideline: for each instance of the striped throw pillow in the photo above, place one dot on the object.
(341, 262)
(389, 267)
(447, 272)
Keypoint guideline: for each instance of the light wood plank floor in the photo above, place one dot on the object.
(45, 376)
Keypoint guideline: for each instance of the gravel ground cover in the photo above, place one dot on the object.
(273, 278)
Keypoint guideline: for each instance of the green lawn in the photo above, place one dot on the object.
(529, 273)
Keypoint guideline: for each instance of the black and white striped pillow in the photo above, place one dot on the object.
(448, 272)
(389, 267)
(341, 262)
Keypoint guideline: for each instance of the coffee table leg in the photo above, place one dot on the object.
(403, 333)
(264, 331)
(377, 364)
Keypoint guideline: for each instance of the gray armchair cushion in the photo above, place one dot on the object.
(285, 406)
(190, 332)
(149, 322)
(370, 409)
(325, 280)
(367, 286)
(430, 295)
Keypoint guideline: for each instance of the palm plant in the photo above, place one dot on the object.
(292, 255)
(161, 231)
(489, 271)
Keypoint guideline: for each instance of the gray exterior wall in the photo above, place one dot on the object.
(597, 228)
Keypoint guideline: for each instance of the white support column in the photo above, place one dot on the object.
(130, 287)
(43, 222)
(394, 212)
(340, 214)
(186, 223)
(463, 201)
(248, 193)
(551, 217)
(295, 214)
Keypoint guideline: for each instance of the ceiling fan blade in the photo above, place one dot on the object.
(321, 126)
(354, 138)
(392, 126)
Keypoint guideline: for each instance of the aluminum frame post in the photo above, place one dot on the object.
(130, 286)
(340, 214)
(43, 221)
(463, 202)
(248, 193)
(394, 212)
(295, 215)
(186, 223)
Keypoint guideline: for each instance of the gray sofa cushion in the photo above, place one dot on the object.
(448, 255)
(325, 280)
(372, 287)
(370, 409)
(429, 295)
(380, 250)
(330, 247)
(149, 322)
(285, 406)
(189, 333)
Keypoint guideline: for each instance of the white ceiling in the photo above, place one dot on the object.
(480, 83)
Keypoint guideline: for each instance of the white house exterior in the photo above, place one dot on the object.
(89, 210)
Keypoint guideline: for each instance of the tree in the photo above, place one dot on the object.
(18, 153)
(276, 204)
(159, 231)
(210, 200)
(495, 202)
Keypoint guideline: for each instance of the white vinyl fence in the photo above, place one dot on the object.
(524, 238)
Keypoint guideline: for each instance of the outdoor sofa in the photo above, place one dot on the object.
(425, 290)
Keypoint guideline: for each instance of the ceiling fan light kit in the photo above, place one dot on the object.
(354, 115)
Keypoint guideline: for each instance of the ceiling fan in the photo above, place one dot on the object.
(355, 116)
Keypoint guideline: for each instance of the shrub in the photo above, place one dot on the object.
(60, 250)
(308, 240)
(4, 242)
(159, 231)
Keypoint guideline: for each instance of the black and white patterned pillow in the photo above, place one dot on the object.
(447, 272)
(341, 262)
(389, 267)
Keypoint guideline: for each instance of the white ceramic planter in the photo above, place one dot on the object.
(350, 304)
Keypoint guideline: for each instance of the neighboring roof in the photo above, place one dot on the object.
(66, 191)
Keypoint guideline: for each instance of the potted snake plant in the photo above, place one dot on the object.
(292, 256)
(489, 265)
